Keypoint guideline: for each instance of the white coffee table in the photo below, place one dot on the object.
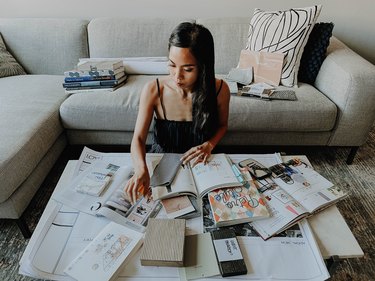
(332, 234)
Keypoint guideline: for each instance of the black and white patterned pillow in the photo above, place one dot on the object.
(315, 52)
(283, 32)
(8, 64)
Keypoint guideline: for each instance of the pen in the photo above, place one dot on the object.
(238, 174)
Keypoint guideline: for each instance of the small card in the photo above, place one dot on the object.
(243, 76)
(177, 206)
(233, 87)
(97, 178)
(199, 259)
(258, 89)
(228, 253)
(267, 66)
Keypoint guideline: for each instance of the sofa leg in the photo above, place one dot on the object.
(352, 153)
(22, 225)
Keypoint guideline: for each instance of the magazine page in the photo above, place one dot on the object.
(216, 173)
(307, 186)
(112, 202)
(284, 209)
(121, 211)
(87, 203)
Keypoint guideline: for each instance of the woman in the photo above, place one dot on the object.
(190, 106)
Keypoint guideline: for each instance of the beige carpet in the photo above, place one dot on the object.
(358, 209)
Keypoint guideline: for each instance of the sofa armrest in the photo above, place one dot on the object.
(349, 81)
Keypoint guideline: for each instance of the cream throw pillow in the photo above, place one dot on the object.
(8, 64)
(283, 32)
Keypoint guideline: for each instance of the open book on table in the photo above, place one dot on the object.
(98, 189)
(199, 180)
(295, 191)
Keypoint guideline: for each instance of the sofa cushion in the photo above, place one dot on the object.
(117, 111)
(283, 32)
(46, 45)
(312, 112)
(130, 37)
(230, 35)
(105, 111)
(8, 64)
(29, 125)
(315, 52)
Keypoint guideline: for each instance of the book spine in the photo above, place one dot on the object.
(87, 88)
(91, 83)
(89, 78)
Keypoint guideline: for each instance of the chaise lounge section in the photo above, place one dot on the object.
(32, 136)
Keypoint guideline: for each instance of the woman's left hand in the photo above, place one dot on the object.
(200, 154)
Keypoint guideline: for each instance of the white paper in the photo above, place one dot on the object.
(102, 258)
(61, 234)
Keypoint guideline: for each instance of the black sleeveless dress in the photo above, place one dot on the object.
(175, 136)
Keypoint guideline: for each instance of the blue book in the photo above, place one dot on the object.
(109, 83)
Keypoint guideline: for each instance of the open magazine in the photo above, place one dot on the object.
(295, 191)
(199, 180)
(97, 189)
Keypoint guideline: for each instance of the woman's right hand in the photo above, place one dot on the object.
(138, 185)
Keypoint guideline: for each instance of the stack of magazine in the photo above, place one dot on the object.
(106, 75)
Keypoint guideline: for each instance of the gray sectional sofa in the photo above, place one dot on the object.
(38, 119)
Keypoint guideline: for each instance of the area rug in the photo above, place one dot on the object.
(358, 208)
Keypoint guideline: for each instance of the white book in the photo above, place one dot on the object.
(101, 65)
(104, 257)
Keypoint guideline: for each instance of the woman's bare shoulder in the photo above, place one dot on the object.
(150, 89)
(152, 85)
(222, 85)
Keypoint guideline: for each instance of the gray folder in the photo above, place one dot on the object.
(166, 170)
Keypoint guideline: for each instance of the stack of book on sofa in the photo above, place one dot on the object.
(95, 76)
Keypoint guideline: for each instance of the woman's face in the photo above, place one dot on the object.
(183, 67)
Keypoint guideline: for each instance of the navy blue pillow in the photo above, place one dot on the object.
(315, 52)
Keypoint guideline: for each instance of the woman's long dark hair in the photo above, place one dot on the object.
(201, 44)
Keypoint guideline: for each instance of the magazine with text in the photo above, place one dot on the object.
(294, 192)
(111, 202)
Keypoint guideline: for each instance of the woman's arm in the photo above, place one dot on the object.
(202, 152)
(140, 182)
(223, 99)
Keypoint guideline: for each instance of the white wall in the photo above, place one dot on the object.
(354, 20)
